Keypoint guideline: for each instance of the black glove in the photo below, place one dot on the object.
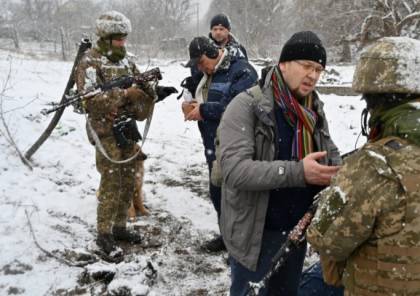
(164, 91)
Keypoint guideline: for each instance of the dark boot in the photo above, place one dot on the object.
(215, 245)
(106, 243)
(122, 234)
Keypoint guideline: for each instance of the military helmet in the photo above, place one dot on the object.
(390, 65)
(112, 23)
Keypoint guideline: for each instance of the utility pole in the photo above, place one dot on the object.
(197, 10)
(198, 19)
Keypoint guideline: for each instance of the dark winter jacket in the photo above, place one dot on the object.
(234, 48)
(284, 213)
(250, 170)
(232, 77)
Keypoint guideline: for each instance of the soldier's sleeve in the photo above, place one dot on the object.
(145, 106)
(146, 87)
(87, 76)
(346, 215)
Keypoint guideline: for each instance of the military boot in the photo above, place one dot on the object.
(106, 243)
(122, 234)
(215, 245)
(109, 251)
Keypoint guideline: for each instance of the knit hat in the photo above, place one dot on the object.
(304, 45)
(199, 46)
(220, 19)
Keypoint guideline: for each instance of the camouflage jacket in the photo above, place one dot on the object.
(369, 219)
(102, 109)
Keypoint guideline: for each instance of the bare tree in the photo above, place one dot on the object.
(5, 131)
(389, 18)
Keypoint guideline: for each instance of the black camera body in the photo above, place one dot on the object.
(125, 131)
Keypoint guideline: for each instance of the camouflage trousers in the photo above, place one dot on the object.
(117, 184)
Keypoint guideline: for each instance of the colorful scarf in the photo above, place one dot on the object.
(301, 117)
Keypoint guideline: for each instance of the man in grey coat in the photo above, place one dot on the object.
(275, 155)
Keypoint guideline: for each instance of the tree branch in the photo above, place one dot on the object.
(8, 135)
(407, 7)
(408, 19)
(46, 252)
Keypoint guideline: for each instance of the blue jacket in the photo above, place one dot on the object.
(233, 77)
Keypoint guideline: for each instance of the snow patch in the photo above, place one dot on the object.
(415, 105)
(377, 156)
(408, 55)
(342, 195)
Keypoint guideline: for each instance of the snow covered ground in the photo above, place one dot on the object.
(54, 205)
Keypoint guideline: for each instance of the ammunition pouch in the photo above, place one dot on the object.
(125, 131)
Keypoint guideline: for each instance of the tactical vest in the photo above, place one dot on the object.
(390, 264)
(104, 71)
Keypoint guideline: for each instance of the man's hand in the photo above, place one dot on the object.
(187, 107)
(315, 173)
(164, 91)
(194, 114)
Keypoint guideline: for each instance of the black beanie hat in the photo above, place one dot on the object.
(304, 45)
(220, 19)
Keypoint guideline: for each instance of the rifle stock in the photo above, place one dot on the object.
(85, 44)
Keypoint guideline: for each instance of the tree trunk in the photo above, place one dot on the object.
(15, 37)
(63, 43)
(346, 53)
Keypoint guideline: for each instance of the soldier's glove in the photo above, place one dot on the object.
(135, 95)
(164, 91)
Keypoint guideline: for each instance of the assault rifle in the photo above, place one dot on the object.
(84, 45)
(294, 240)
(122, 82)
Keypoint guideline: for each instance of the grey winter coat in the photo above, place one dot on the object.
(247, 152)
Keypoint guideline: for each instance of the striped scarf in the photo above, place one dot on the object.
(300, 117)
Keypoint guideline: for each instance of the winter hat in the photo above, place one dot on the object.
(199, 46)
(220, 19)
(111, 23)
(304, 45)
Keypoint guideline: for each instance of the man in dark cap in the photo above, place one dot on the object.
(224, 76)
(275, 155)
(220, 33)
(221, 36)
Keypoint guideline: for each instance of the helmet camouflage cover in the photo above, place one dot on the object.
(390, 65)
(112, 23)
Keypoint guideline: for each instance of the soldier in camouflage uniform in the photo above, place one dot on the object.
(107, 61)
(367, 226)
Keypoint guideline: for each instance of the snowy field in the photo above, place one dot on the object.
(54, 206)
